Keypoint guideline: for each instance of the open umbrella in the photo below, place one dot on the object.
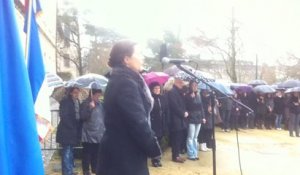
(173, 70)
(257, 82)
(294, 89)
(264, 89)
(159, 77)
(92, 81)
(217, 85)
(204, 75)
(241, 88)
(289, 84)
(54, 80)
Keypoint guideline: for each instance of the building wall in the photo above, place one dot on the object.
(47, 32)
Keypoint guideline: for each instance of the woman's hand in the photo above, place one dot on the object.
(186, 114)
(92, 104)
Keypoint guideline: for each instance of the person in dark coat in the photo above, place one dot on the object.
(279, 106)
(294, 109)
(195, 118)
(92, 116)
(269, 118)
(159, 116)
(206, 131)
(178, 118)
(69, 128)
(261, 111)
(225, 107)
(235, 113)
(128, 139)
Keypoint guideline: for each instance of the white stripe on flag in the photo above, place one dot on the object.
(42, 110)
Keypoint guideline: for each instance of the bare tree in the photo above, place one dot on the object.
(69, 38)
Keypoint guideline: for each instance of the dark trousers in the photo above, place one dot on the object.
(269, 120)
(176, 140)
(205, 136)
(226, 115)
(89, 156)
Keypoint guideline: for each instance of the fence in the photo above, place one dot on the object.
(50, 142)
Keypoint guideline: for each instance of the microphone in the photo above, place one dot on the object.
(175, 60)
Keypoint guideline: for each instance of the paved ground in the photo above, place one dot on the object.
(263, 152)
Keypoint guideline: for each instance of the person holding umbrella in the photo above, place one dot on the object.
(159, 116)
(92, 116)
(128, 139)
(294, 106)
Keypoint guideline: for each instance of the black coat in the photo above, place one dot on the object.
(295, 109)
(279, 105)
(160, 115)
(69, 128)
(195, 109)
(177, 109)
(206, 101)
(128, 139)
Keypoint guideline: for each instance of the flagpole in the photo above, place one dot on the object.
(28, 32)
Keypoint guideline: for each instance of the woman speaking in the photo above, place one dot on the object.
(128, 139)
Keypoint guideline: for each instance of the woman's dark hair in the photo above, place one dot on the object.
(94, 91)
(190, 85)
(119, 51)
(153, 85)
(70, 90)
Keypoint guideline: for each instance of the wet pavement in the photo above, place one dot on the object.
(262, 152)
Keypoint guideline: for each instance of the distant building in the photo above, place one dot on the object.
(47, 29)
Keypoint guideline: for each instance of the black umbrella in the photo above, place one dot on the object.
(264, 89)
(294, 89)
(289, 84)
(257, 82)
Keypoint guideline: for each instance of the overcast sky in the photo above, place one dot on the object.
(268, 28)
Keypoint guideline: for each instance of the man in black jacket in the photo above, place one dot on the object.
(178, 118)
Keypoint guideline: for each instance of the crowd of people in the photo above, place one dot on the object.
(135, 120)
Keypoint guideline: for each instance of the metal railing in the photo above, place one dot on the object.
(50, 141)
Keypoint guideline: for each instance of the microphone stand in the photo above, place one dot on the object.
(212, 96)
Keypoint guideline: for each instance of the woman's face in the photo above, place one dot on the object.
(156, 90)
(194, 87)
(75, 93)
(136, 61)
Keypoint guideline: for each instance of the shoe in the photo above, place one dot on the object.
(179, 160)
(159, 164)
(197, 158)
(193, 159)
(156, 163)
(87, 173)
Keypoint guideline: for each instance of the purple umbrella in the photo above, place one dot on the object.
(159, 77)
(241, 88)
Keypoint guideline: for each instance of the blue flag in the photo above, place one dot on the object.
(37, 76)
(20, 152)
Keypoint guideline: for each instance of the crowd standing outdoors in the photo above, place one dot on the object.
(136, 120)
